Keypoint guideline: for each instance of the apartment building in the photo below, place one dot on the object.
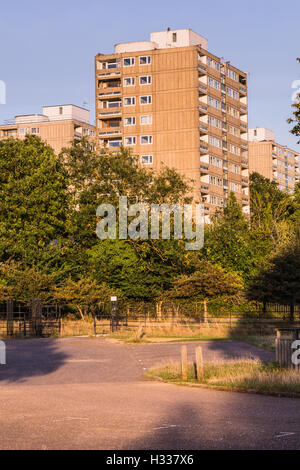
(273, 160)
(57, 125)
(174, 103)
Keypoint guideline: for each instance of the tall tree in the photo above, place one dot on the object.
(280, 281)
(295, 120)
(33, 195)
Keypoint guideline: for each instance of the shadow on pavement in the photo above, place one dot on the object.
(30, 358)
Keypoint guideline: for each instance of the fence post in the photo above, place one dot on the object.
(36, 317)
(10, 317)
(184, 363)
(199, 363)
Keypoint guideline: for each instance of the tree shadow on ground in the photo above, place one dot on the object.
(30, 358)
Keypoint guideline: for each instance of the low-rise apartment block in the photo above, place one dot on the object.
(57, 125)
(174, 103)
(272, 160)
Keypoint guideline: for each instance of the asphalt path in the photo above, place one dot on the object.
(85, 393)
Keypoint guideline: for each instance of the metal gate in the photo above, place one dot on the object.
(34, 320)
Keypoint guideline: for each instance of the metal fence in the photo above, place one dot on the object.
(34, 320)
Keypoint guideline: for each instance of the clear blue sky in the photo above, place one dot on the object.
(47, 48)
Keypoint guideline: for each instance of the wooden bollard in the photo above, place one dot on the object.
(184, 363)
(199, 363)
(140, 333)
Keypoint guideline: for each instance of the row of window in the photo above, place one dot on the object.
(214, 83)
(25, 130)
(218, 162)
(143, 80)
(144, 120)
(144, 140)
(131, 100)
(233, 75)
(215, 142)
(213, 64)
(232, 93)
(130, 61)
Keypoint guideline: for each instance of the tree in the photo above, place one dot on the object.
(280, 281)
(24, 283)
(208, 282)
(33, 194)
(227, 240)
(296, 113)
(85, 295)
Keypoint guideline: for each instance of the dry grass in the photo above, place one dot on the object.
(236, 375)
(77, 328)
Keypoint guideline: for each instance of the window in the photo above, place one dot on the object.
(231, 74)
(215, 142)
(214, 122)
(129, 62)
(214, 103)
(129, 81)
(216, 201)
(112, 104)
(35, 130)
(145, 60)
(147, 80)
(233, 130)
(213, 64)
(146, 159)
(130, 140)
(130, 121)
(23, 131)
(61, 110)
(216, 181)
(130, 101)
(114, 143)
(235, 187)
(233, 112)
(234, 168)
(215, 161)
(147, 119)
(232, 93)
(146, 99)
(146, 139)
(214, 83)
(234, 149)
(174, 37)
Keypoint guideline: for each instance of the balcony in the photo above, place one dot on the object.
(204, 168)
(204, 188)
(105, 75)
(202, 90)
(244, 163)
(243, 91)
(243, 110)
(109, 94)
(107, 113)
(245, 181)
(203, 129)
(202, 109)
(110, 132)
(203, 148)
(202, 69)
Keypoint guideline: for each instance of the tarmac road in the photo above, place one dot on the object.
(85, 393)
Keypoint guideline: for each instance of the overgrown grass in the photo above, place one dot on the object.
(243, 376)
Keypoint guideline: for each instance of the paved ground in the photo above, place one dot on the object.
(91, 394)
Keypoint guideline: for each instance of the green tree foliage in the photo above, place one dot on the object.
(280, 280)
(33, 195)
(296, 116)
(228, 242)
(85, 295)
(24, 283)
